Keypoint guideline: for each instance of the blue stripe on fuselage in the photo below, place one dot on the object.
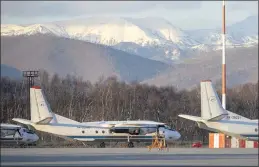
(114, 137)
(249, 135)
(239, 122)
(98, 127)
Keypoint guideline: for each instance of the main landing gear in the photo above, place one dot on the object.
(102, 145)
(130, 145)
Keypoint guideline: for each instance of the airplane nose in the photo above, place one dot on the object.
(178, 135)
(36, 138)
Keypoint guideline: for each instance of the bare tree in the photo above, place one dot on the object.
(110, 99)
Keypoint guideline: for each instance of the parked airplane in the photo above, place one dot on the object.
(43, 119)
(15, 134)
(215, 118)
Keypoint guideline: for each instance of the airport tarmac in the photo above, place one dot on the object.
(128, 157)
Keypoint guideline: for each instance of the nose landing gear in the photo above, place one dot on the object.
(130, 145)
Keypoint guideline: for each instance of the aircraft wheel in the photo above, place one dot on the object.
(32, 144)
(102, 145)
(130, 145)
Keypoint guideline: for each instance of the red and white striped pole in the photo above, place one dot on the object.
(224, 58)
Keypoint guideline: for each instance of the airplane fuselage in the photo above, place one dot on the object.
(84, 132)
(247, 130)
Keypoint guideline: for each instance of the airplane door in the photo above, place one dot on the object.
(161, 131)
(17, 136)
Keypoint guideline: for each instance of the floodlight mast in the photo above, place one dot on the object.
(29, 75)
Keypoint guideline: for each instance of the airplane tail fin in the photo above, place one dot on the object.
(211, 108)
(41, 112)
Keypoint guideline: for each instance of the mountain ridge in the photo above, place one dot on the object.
(93, 61)
(169, 42)
(241, 67)
(68, 56)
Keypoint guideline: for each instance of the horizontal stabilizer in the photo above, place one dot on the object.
(190, 117)
(22, 121)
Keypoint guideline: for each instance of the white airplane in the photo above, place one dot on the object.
(43, 119)
(215, 118)
(15, 134)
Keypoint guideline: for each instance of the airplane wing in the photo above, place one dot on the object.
(10, 126)
(122, 124)
(128, 126)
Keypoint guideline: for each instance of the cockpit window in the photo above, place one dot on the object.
(31, 132)
(167, 127)
(28, 131)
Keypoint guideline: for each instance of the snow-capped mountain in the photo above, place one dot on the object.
(242, 34)
(109, 31)
(152, 38)
(16, 30)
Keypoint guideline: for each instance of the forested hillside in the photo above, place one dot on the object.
(75, 57)
(113, 100)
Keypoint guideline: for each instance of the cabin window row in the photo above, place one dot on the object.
(95, 131)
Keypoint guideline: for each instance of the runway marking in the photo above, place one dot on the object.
(138, 162)
(127, 157)
(24, 158)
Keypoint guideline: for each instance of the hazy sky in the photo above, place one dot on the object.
(184, 14)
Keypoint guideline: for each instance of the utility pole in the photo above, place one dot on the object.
(224, 57)
(29, 75)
